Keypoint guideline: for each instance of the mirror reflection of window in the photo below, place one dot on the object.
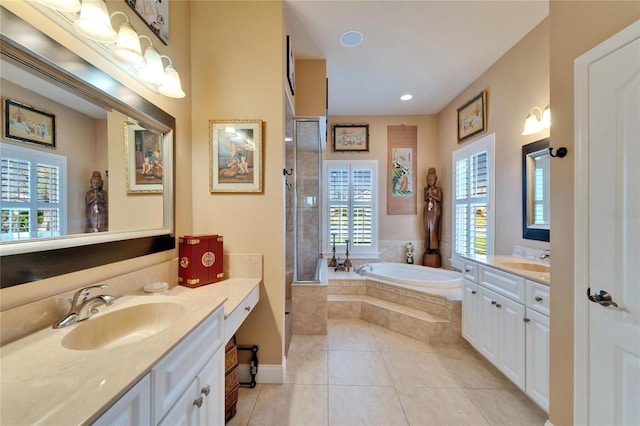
(33, 194)
(541, 188)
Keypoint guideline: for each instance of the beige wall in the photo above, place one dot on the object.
(242, 78)
(575, 28)
(179, 49)
(393, 227)
(518, 81)
(311, 88)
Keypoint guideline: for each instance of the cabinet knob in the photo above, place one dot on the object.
(493, 302)
(498, 305)
(538, 299)
(198, 402)
(473, 292)
(247, 308)
(526, 319)
(205, 390)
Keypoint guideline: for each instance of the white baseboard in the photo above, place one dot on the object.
(267, 373)
(548, 423)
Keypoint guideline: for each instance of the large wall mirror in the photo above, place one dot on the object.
(536, 191)
(58, 130)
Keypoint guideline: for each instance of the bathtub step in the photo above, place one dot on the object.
(415, 323)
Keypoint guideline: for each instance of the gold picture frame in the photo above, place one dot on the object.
(472, 117)
(235, 156)
(144, 160)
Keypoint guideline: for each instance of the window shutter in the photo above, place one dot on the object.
(350, 190)
(471, 217)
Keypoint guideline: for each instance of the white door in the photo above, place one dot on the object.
(613, 233)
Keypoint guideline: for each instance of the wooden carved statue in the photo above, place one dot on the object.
(431, 217)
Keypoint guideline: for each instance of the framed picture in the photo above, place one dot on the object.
(25, 123)
(144, 163)
(351, 137)
(235, 156)
(472, 117)
(155, 14)
(291, 66)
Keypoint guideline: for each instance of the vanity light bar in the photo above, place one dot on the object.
(94, 23)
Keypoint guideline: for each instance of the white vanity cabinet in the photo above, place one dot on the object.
(506, 318)
(188, 383)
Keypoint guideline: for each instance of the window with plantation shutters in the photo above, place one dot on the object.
(32, 203)
(473, 199)
(350, 192)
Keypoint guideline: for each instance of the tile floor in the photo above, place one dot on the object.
(363, 374)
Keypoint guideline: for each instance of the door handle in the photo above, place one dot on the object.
(601, 297)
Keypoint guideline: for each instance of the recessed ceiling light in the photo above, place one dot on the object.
(351, 38)
(406, 97)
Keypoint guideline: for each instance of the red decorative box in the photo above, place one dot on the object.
(200, 260)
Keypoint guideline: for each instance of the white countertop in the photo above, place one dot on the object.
(43, 382)
(498, 262)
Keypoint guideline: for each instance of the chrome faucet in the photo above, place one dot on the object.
(83, 307)
(546, 255)
(361, 269)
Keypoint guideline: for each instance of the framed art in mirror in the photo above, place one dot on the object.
(235, 156)
(27, 124)
(144, 163)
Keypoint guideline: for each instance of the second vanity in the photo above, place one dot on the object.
(505, 316)
(168, 370)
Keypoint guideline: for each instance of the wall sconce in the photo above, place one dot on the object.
(533, 124)
(94, 23)
(171, 84)
(153, 70)
(128, 48)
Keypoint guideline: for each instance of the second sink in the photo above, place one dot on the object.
(526, 266)
(123, 326)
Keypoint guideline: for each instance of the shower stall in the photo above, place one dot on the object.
(303, 199)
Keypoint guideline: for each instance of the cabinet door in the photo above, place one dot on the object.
(211, 388)
(489, 326)
(512, 340)
(172, 374)
(134, 408)
(538, 358)
(185, 411)
(470, 300)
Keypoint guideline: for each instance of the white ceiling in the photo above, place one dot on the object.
(431, 49)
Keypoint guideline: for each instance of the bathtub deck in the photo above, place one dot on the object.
(433, 319)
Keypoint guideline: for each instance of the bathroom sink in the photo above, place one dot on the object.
(123, 326)
(525, 266)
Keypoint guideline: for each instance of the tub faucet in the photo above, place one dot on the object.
(83, 307)
(360, 270)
